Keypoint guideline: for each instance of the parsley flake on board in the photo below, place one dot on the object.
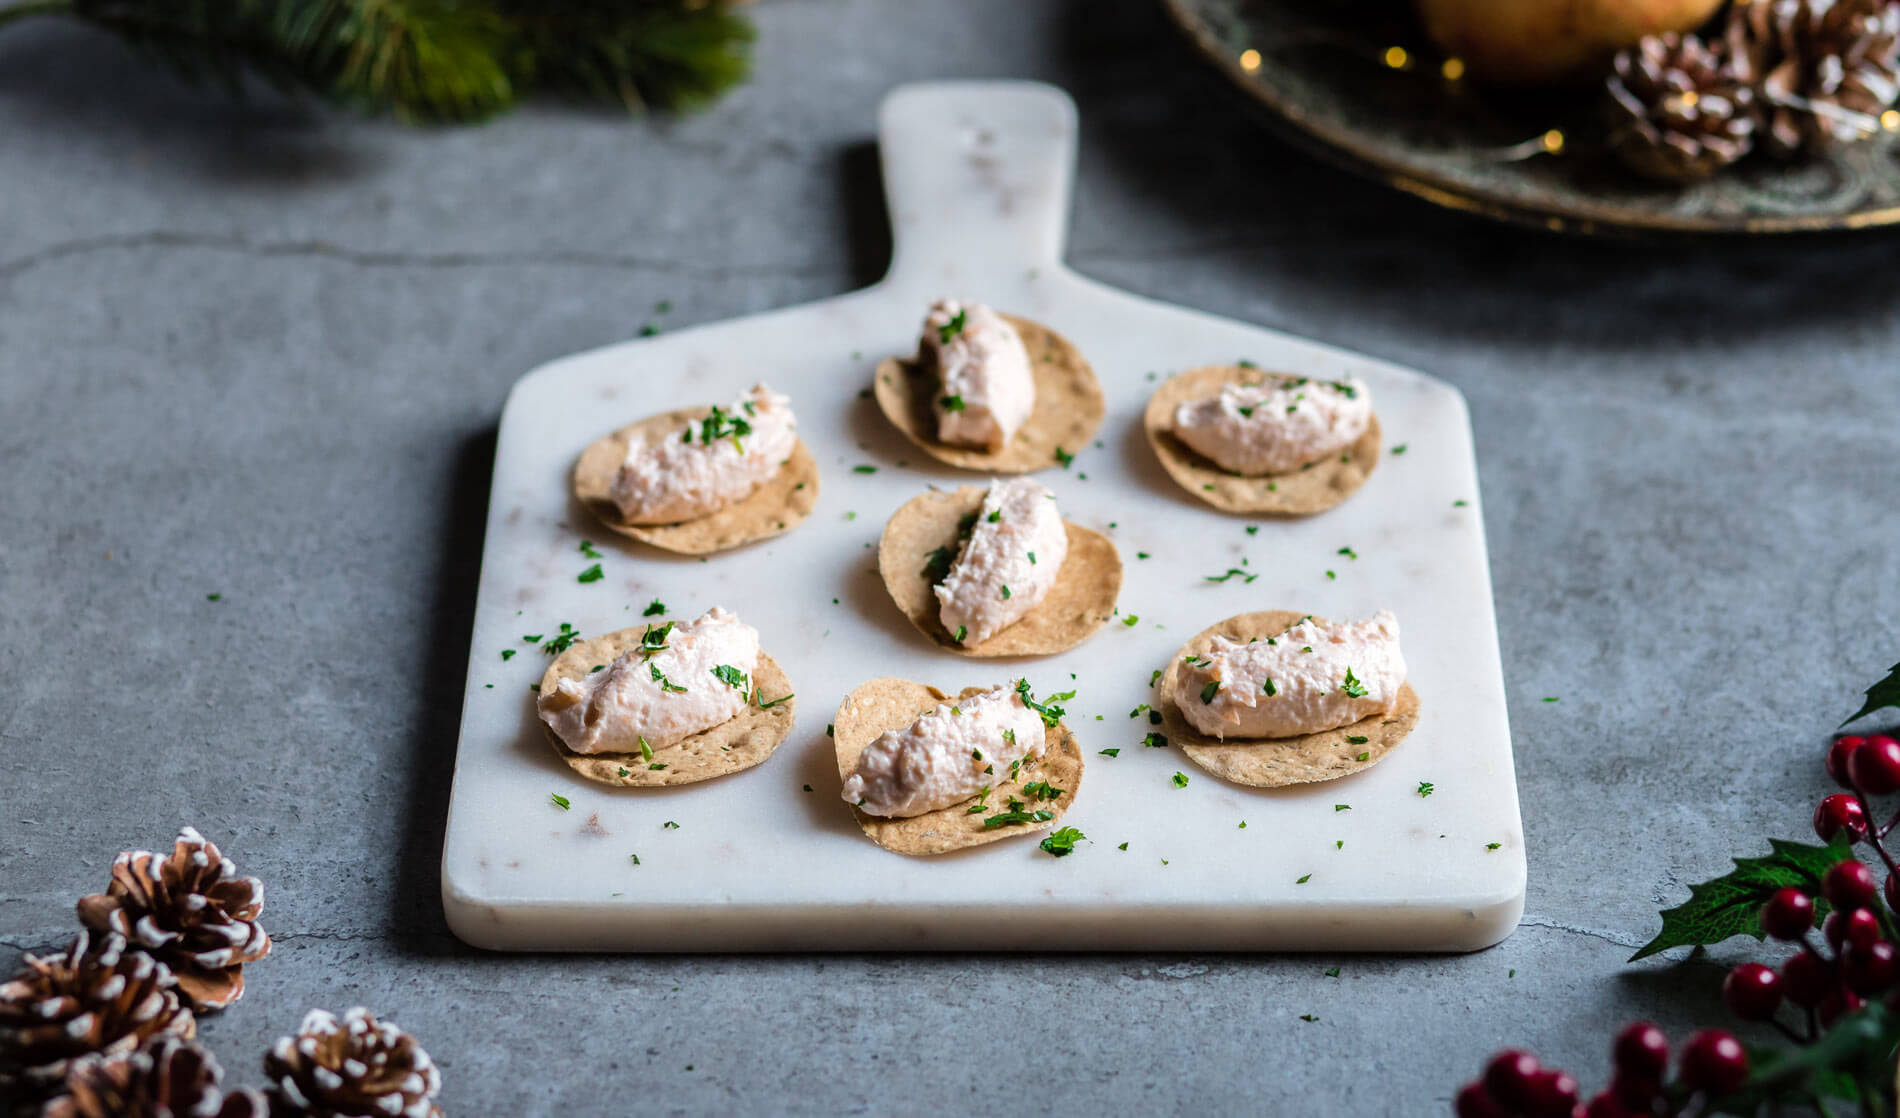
(1309, 1016)
(669, 825)
(1180, 780)
(588, 551)
(1348, 553)
(1061, 842)
(1155, 678)
(1123, 846)
(655, 608)
(1232, 572)
(1132, 620)
(952, 328)
(1399, 449)
(1110, 752)
(1353, 687)
(1332, 972)
(1303, 879)
(1140, 710)
(864, 469)
(214, 597)
(731, 676)
(1155, 741)
(1552, 698)
(591, 574)
(560, 801)
(1342, 807)
(1425, 788)
(507, 654)
(1064, 457)
(635, 858)
(1492, 845)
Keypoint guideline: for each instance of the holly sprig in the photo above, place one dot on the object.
(435, 60)
(1730, 905)
(1835, 1001)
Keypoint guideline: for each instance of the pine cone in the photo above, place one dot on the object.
(98, 996)
(358, 1067)
(168, 1078)
(191, 910)
(1679, 110)
(1824, 69)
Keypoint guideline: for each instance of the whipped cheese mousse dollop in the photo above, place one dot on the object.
(986, 389)
(1007, 563)
(947, 755)
(1276, 426)
(680, 680)
(1314, 676)
(708, 464)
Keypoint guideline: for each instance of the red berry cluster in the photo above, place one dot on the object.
(1514, 1085)
(1854, 960)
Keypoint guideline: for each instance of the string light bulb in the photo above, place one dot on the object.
(1250, 60)
(1452, 68)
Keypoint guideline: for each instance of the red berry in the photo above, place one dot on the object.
(1805, 980)
(1837, 755)
(1868, 969)
(1551, 1094)
(1788, 914)
(1635, 1092)
(1840, 814)
(1859, 926)
(1875, 766)
(1836, 1005)
(1607, 1105)
(1713, 1061)
(1641, 1052)
(1752, 992)
(1474, 1102)
(1849, 885)
(1507, 1078)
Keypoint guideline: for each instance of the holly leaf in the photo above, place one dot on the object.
(1852, 1059)
(1731, 904)
(1886, 693)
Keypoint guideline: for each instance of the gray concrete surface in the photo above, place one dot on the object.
(259, 351)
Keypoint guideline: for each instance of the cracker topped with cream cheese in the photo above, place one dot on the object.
(991, 391)
(1276, 697)
(1249, 441)
(996, 571)
(925, 773)
(667, 703)
(700, 480)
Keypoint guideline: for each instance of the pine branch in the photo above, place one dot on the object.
(435, 60)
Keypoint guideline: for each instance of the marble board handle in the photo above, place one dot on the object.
(978, 178)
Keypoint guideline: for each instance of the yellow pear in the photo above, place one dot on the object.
(1550, 42)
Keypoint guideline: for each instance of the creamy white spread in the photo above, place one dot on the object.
(1276, 426)
(708, 464)
(946, 756)
(987, 389)
(1310, 678)
(1007, 564)
(681, 680)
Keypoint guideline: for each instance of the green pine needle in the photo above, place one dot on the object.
(435, 60)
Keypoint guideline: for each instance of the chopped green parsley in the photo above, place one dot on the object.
(666, 685)
(951, 403)
(591, 574)
(1155, 741)
(952, 328)
(1208, 692)
(560, 801)
(1180, 779)
(1232, 572)
(1061, 842)
(1425, 788)
(1111, 752)
(1353, 687)
(731, 676)
(655, 608)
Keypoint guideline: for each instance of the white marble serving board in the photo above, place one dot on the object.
(979, 178)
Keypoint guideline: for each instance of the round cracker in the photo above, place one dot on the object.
(742, 741)
(1300, 492)
(776, 507)
(1069, 406)
(1081, 601)
(1277, 762)
(890, 704)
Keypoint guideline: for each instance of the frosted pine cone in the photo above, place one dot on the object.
(191, 910)
(98, 996)
(1679, 110)
(168, 1078)
(358, 1067)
